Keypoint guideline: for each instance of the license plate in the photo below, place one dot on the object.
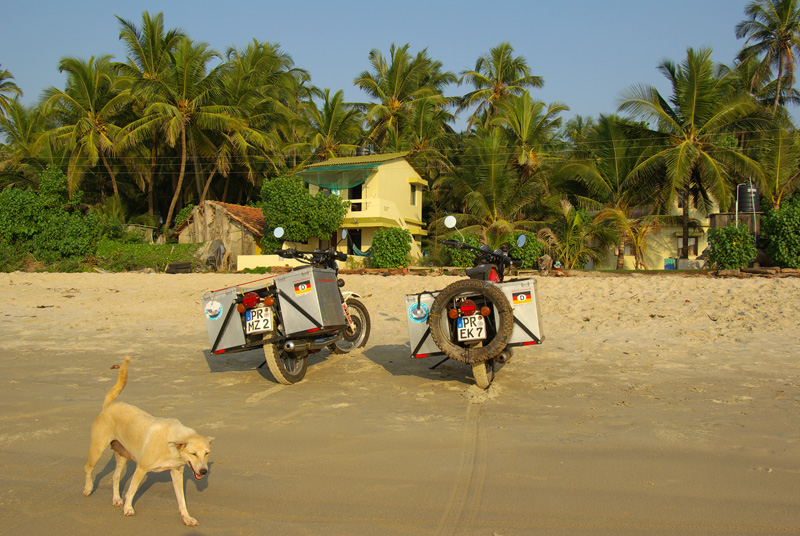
(257, 320)
(471, 328)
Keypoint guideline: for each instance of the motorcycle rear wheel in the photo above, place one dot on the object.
(357, 339)
(285, 367)
(441, 332)
(483, 373)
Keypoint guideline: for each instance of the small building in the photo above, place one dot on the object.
(384, 191)
(239, 228)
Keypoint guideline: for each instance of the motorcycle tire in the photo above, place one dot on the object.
(440, 329)
(483, 373)
(285, 367)
(357, 339)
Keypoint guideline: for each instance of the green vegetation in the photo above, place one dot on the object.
(782, 230)
(731, 247)
(390, 248)
(174, 123)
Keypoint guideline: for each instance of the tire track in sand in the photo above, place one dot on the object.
(464, 503)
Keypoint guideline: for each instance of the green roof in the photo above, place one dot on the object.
(343, 173)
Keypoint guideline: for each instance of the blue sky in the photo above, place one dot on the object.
(587, 51)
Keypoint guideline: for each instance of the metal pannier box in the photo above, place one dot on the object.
(521, 294)
(223, 321)
(310, 299)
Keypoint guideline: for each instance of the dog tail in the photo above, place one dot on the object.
(122, 379)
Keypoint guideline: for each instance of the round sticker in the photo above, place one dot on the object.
(418, 312)
(213, 310)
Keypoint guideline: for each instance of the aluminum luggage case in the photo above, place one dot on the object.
(521, 294)
(223, 321)
(310, 299)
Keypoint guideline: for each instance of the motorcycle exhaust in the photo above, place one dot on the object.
(289, 346)
(505, 356)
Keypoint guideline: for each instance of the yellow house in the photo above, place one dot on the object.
(384, 191)
(664, 247)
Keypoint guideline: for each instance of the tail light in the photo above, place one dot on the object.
(493, 276)
(485, 310)
(268, 301)
(250, 300)
(468, 308)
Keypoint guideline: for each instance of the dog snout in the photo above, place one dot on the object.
(202, 472)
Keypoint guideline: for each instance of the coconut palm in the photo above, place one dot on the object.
(779, 157)
(491, 197)
(23, 157)
(694, 122)
(8, 91)
(496, 76)
(184, 110)
(574, 238)
(613, 190)
(774, 28)
(335, 128)
(87, 111)
(396, 84)
(531, 126)
(148, 62)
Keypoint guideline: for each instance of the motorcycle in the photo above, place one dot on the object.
(292, 316)
(478, 320)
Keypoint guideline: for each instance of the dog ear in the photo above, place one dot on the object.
(180, 445)
(210, 439)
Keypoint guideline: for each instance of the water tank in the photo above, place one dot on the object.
(748, 198)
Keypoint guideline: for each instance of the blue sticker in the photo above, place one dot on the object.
(418, 312)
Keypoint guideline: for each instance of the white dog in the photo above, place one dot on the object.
(155, 444)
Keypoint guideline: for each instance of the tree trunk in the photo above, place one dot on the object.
(208, 183)
(180, 182)
(685, 249)
(621, 255)
(111, 173)
(151, 177)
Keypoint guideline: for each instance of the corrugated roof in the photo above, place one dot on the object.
(350, 160)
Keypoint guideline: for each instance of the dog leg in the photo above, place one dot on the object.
(177, 483)
(136, 480)
(95, 451)
(121, 461)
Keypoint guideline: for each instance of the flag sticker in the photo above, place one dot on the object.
(521, 297)
(301, 287)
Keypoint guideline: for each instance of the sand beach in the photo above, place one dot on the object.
(658, 404)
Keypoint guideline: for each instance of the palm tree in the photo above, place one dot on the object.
(496, 76)
(8, 90)
(23, 157)
(396, 84)
(694, 122)
(779, 157)
(335, 129)
(574, 238)
(491, 196)
(774, 28)
(149, 61)
(87, 112)
(531, 125)
(185, 111)
(613, 190)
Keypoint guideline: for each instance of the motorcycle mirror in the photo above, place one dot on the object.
(344, 234)
(450, 222)
(278, 232)
(521, 240)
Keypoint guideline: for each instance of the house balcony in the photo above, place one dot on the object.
(375, 212)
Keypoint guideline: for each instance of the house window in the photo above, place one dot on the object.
(692, 246)
(413, 194)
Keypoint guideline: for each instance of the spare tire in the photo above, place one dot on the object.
(440, 324)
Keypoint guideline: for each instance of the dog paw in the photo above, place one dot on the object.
(128, 511)
(117, 502)
(190, 522)
(87, 492)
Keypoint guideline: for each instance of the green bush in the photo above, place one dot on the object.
(122, 256)
(731, 247)
(463, 257)
(529, 253)
(390, 248)
(781, 230)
